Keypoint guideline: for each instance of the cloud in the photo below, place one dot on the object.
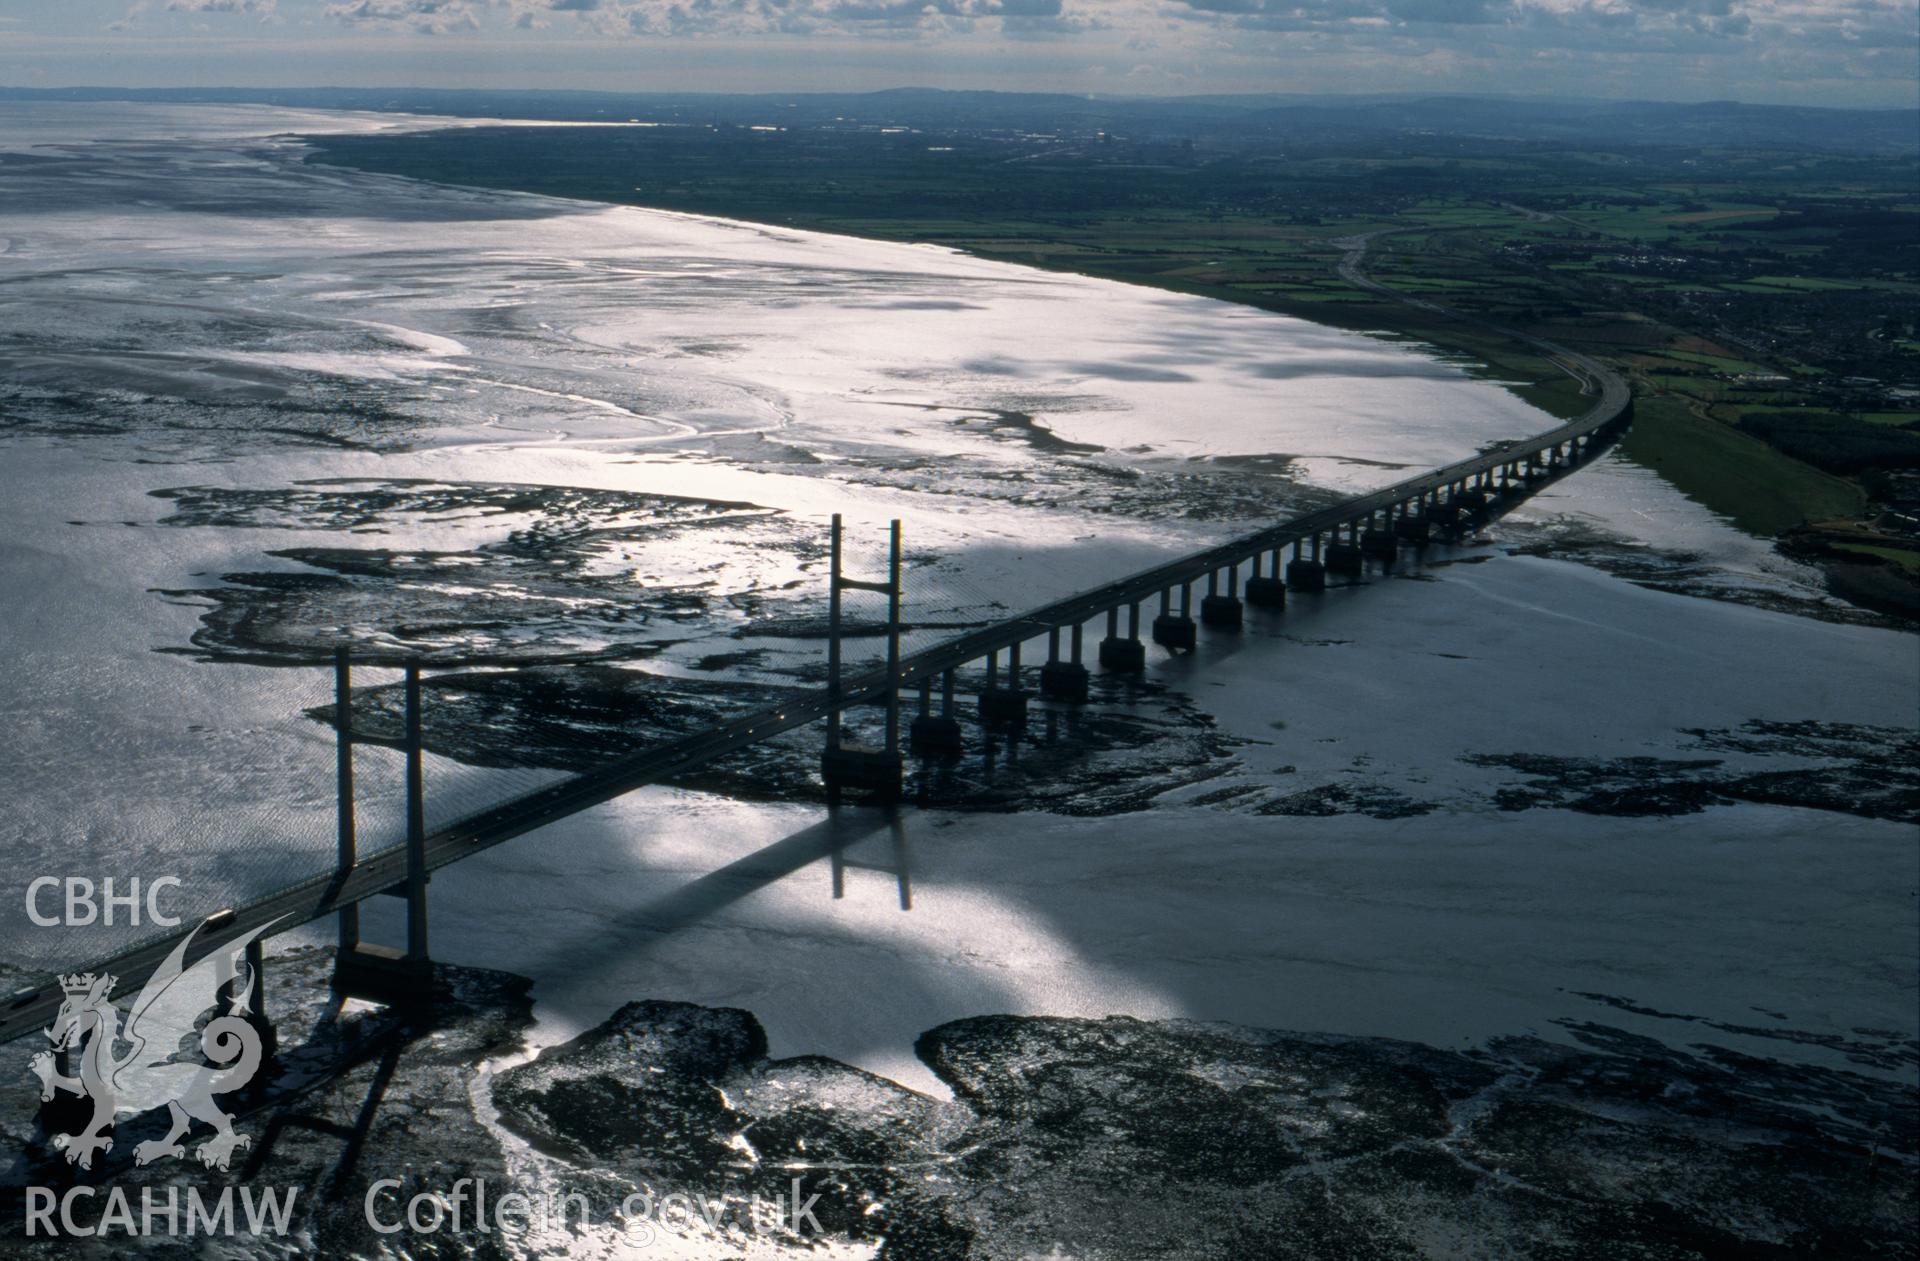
(131, 18)
(1467, 12)
(811, 17)
(220, 6)
(1648, 48)
(427, 17)
(1645, 25)
(1469, 30)
(1485, 27)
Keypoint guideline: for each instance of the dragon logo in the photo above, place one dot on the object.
(159, 1068)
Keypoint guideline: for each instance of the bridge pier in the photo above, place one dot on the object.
(1414, 527)
(1223, 611)
(1064, 680)
(1378, 543)
(1306, 575)
(1003, 706)
(878, 773)
(251, 1005)
(343, 790)
(1123, 656)
(383, 974)
(1267, 591)
(935, 735)
(1345, 557)
(1176, 632)
(256, 955)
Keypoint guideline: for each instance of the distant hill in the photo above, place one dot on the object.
(1220, 119)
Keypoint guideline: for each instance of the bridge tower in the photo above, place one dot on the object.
(385, 974)
(852, 767)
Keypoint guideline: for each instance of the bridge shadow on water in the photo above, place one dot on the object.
(872, 993)
(593, 952)
(862, 983)
(715, 892)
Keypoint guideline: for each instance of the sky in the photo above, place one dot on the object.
(1807, 52)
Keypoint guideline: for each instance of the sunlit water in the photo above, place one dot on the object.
(185, 305)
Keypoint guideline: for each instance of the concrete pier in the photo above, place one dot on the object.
(1175, 632)
(1122, 656)
(1306, 575)
(1379, 544)
(931, 734)
(935, 735)
(1064, 681)
(858, 768)
(1345, 558)
(1222, 612)
(1264, 592)
(382, 974)
(1003, 707)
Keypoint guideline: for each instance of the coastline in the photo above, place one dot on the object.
(1338, 820)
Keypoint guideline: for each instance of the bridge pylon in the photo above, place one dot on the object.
(383, 974)
(876, 772)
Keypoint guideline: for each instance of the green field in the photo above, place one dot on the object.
(1763, 491)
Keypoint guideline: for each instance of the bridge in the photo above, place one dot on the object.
(1258, 569)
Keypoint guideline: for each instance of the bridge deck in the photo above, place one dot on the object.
(328, 893)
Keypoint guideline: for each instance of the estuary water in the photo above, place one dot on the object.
(251, 408)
